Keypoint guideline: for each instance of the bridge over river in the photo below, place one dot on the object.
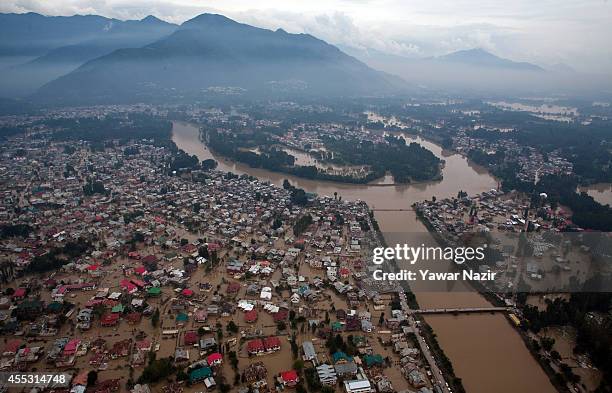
(374, 209)
(460, 310)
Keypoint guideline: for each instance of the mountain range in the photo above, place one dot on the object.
(212, 51)
(478, 57)
(90, 58)
(33, 34)
(477, 71)
(69, 43)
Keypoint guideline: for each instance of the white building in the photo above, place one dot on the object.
(358, 386)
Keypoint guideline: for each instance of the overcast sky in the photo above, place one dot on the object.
(575, 32)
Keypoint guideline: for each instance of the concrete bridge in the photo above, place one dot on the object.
(460, 310)
(392, 210)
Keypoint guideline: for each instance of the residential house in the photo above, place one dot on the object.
(346, 370)
(309, 352)
(255, 347)
(358, 386)
(190, 338)
(214, 359)
(272, 344)
(327, 374)
(289, 378)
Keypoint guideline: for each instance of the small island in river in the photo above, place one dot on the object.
(334, 153)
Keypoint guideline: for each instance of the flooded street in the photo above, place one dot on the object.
(486, 352)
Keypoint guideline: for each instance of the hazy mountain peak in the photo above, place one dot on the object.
(479, 51)
(207, 20)
(151, 19)
(481, 58)
(469, 54)
(66, 43)
(212, 50)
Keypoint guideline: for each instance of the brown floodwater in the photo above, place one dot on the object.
(601, 192)
(486, 352)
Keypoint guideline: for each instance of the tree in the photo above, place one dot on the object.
(302, 224)
(155, 318)
(92, 378)
(214, 258)
(181, 376)
(203, 251)
(547, 343)
(312, 380)
(298, 364)
(94, 187)
(157, 370)
(294, 346)
(339, 341)
(233, 359)
(277, 223)
(232, 327)
(209, 164)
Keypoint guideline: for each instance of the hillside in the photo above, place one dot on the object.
(212, 51)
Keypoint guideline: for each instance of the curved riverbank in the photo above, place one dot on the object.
(407, 162)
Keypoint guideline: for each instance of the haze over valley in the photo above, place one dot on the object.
(58, 58)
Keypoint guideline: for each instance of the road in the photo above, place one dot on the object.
(435, 370)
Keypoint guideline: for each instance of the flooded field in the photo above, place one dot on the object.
(544, 109)
(565, 341)
(601, 192)
(387, 121)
